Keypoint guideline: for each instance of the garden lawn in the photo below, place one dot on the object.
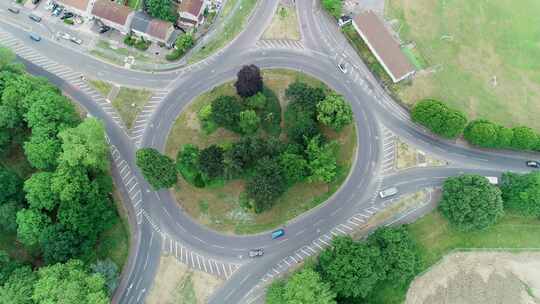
(482, 56)
(217, 206)
(437, 239)
(234, 20)
(129, 103)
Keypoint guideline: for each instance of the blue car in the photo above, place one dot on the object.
(278, 233)
(35, 37)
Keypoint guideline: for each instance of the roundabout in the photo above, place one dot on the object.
(218, 205)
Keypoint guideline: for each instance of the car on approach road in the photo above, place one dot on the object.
(388, 192)
(493, 180)
(13, 10)
(278, 233)
(253, 253)
(35, 37)
(34, 17)
(343, 67)
(532, 164)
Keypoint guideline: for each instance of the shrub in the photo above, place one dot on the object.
(439, 118)
(157, 169)
(470, 202)
(521, 193)
(69, 21)
(129, 40)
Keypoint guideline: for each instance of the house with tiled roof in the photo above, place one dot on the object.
(114, 15)
(191, 13)
(152, 29)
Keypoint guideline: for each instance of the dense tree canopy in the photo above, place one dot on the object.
(521, 192)
(295, 167)
(352, 268)
(69, 283)
(161, 9)
(304, 98)
(85, 145)
(158, 169)
(334, 112)
(226, 112)
(19, 287)
(249, 122)
(249, 81)
(302, 287)
(399, 253)
(471, 202)
(211, 161)
(439, 118)
(322, 160)
(266, 185)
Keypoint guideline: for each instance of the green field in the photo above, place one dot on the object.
(437, 239)
(482, 56)
(234, 22)
(217, 206)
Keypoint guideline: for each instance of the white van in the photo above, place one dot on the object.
(492, 180)
(388, 192)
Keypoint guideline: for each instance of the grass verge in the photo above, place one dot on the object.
(234, 22)
(218, 206)
(129, 103)
(284, 25)
(102, 87)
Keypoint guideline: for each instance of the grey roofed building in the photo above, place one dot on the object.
(383, 46)
(151, 28)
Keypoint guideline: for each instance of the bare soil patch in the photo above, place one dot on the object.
(480, 278)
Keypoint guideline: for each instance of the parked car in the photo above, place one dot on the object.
(344, 20)
(388, 192)
(532, 164)
(13, 10)
(35, 1)
(35, 37)
(104, 29)
(34, 17)
(278, 233)
(64, 35)
(76, 40)
(343, 67)
(67, 15)
(57, 11)
(253, 253)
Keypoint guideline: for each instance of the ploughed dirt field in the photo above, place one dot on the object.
(480, 278)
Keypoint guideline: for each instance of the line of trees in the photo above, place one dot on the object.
(270, 165)
(59, 211)
(351, 271)
(451, 123)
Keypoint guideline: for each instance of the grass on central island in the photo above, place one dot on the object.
(217, 206)
(436, 239)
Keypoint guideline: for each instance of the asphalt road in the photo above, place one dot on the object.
(155, 217)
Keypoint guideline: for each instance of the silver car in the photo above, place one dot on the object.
(253, 253)
(388, 192)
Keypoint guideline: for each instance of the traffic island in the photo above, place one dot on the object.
(222, 203)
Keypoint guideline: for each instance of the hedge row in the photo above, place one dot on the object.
(451, 123)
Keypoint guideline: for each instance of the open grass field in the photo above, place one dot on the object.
(234, 22)
(218, 206)
(129, 102)
(284, 24)
(482, 56)
(436, 239)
